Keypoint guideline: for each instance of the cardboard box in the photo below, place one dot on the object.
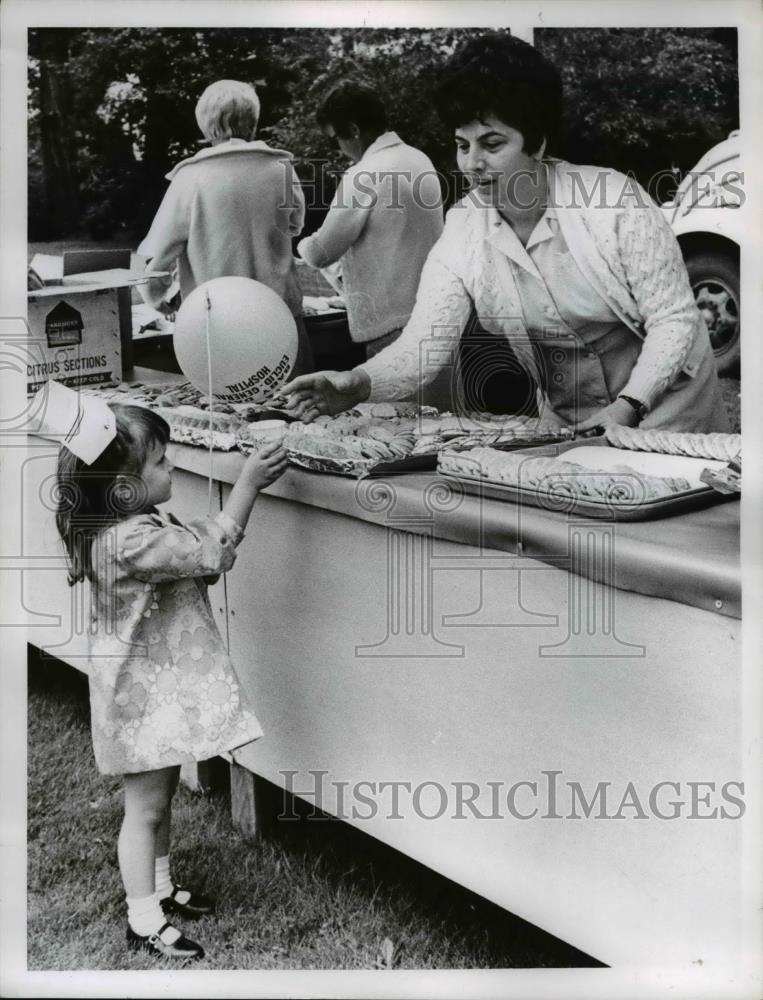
(48, 267)
(75, 337)
(81, 327)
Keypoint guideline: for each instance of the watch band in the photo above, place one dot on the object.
(640, 408)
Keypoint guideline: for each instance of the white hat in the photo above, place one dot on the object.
(85, 424)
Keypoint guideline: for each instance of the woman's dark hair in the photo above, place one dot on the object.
(350, 102)
(91, 497)
(503, 77)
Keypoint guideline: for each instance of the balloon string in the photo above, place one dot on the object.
(211, 452)
(209, 403)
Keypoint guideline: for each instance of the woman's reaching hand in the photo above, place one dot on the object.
(619, 412)
(309, 396)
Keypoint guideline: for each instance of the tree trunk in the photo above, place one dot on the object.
(58, 152)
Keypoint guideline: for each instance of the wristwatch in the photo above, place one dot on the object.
(641, 408)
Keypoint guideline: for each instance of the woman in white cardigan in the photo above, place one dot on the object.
(575, 266)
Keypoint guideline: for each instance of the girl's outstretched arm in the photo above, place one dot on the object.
(261, 469)
(148, 548)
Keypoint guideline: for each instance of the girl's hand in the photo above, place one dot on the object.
(325, 392)
(619, 412)
(263, 467)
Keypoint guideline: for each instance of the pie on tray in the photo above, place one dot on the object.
(555, 476)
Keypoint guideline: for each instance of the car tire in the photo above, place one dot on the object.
(714, 277)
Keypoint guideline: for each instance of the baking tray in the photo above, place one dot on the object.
(428, 462)
(361, 468)
(679, 503)
(349, 467)
(366, 468)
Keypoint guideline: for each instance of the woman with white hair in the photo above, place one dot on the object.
(232, 209)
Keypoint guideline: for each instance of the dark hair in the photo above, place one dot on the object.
(91, 497)
(503, 77)
(350, 102)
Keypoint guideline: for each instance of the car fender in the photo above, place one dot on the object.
(712, 222)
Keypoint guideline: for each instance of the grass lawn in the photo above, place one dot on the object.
(310, 895)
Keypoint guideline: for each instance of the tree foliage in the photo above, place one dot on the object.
(110, 111)
(645, 100)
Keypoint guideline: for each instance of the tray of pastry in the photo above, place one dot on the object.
(355, 455)
(382, 439)
(590, 479)
(421, 460)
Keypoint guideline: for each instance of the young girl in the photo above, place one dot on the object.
(162, 687)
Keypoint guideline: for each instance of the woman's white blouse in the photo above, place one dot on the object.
(626, 266)
(546, 260)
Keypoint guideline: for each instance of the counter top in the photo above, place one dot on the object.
(690, 558)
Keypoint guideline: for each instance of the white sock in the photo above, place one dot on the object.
(145, 916)
(163, 883)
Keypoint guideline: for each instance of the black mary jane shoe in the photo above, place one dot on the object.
(156, 945)
(196, 906)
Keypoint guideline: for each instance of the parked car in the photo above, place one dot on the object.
(706, 218)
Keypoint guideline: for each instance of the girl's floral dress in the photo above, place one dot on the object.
(163, 690)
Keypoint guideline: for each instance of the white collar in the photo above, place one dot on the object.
(384, 141)
(230, 146)
(501, 235)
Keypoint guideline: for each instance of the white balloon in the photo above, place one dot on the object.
(252, 339)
